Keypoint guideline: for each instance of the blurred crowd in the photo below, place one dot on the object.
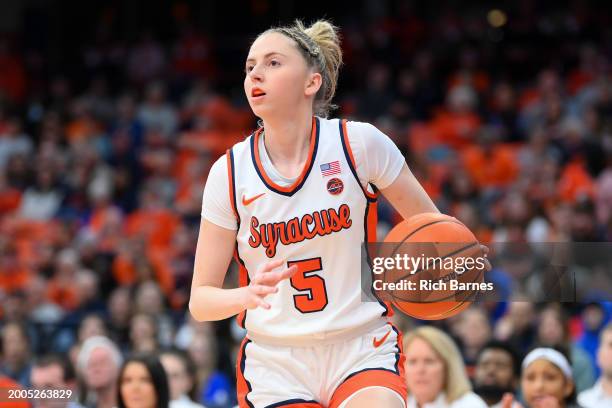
(505, 118)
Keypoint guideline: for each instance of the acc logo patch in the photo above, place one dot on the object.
(335, 186)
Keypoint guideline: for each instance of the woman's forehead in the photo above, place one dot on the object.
(269, 43)
(543, 364)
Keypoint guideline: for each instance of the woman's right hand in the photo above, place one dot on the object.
(265, 283)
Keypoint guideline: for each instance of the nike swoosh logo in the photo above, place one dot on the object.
(377, 343)
(247, 201)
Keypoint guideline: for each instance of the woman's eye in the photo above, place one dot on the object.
(274, 63)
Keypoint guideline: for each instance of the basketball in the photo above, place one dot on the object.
(442, 288)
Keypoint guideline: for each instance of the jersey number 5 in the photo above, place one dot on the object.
(304, 280)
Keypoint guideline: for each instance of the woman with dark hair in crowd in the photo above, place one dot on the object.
(553, 331)
(143, 383)
(546, 380)
(182, 378)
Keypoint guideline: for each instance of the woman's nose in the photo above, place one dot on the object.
(256, 74)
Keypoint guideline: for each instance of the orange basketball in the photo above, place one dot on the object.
(446, 281)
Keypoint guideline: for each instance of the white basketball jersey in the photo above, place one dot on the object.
(317, 223)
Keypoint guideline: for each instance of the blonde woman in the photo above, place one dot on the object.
(435, 373)
(293, 203)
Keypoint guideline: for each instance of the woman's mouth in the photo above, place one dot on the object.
(257, 93)
(540, 399)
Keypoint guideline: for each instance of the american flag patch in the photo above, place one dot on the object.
(331, 168)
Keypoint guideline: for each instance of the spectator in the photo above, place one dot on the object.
(41, 201)
(61, 288)
(150, 299)
(517, 326)
(146, 60)
(474, 330)
(600, 396)
(594, 318)
(497, 373)
(54, 372)
(13, 141)
(546, 379)
(214, 387)
(71, 340)
(119, 315)
(155, 113)
(143, 333)
(435, 373)
(15, 352)
(553, 331)
(98, 365)
(142, 383)
(182, 377)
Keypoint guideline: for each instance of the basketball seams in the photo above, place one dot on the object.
(432, 305)
(453, 253)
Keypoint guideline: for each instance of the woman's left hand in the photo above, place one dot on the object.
(485, 253)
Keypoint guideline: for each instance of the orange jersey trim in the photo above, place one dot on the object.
(242, 385)
(230, 179)
(305, 170)
(352, 161)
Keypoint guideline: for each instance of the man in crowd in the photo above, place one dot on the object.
(497, 372)
(50, 373)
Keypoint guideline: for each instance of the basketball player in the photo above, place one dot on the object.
(293, 203)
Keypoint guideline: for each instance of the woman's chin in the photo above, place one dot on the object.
(261, 110)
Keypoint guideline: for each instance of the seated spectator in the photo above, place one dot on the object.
(435, 373)
(15, 349)
(54, 372)
(546, 380)
(497, 373)
(594, 317)
(91, 326)
(43, 200)
(143, 333)
(98, 365)
(142, 383)
(181, 372)
(553, 331)
(214, 387)
(600, 395)
(474, 331)
(119, 307)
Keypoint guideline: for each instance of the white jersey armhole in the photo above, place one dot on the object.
(378, 161)
(216, 200)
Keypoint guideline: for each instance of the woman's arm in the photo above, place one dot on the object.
(214, 252)
(407, 195)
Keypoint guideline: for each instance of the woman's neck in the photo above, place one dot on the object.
(287, 141)
(606, 383)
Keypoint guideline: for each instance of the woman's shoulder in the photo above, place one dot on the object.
(469, 400)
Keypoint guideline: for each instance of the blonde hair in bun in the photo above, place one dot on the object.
(320, 46)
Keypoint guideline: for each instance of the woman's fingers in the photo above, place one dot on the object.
(485, 252)
(507, 400)
(261, 303)
(273, 277)
(263, 290)
(269, 266)
(265, 282)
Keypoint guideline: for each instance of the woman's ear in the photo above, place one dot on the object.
(569, 388)
(313, 84)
